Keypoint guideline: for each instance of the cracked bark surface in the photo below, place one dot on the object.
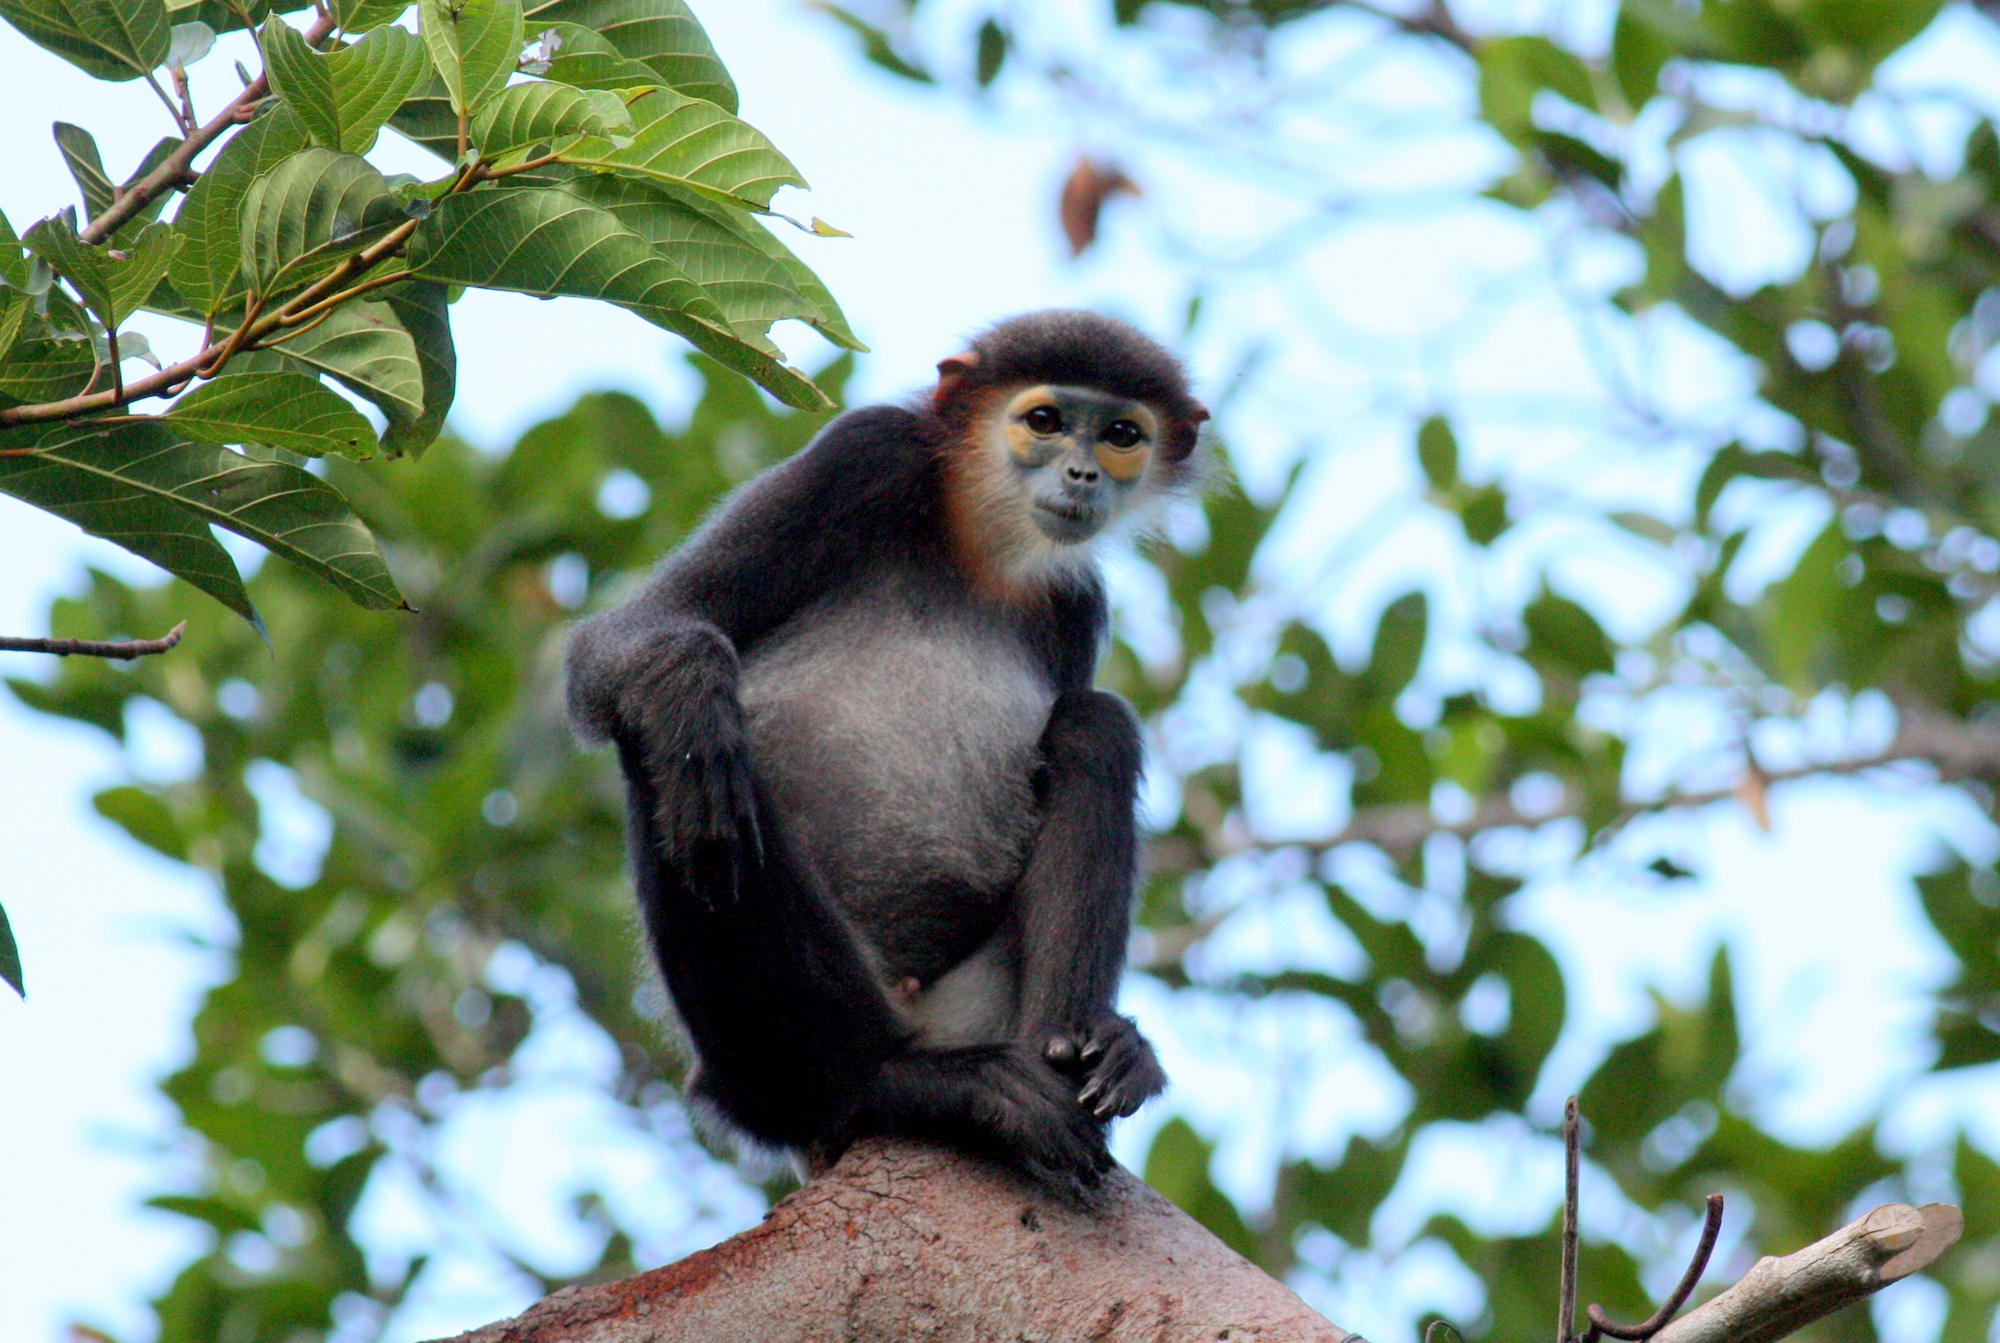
(902, 1243)
(918, 1245)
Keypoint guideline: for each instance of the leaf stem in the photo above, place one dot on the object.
(291, 317)
(178, 166)
(179, 124)
(492, 174)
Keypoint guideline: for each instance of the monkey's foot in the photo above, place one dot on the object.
(1114, 1065)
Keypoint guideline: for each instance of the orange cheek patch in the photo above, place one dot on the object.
(1124, 466)
(1021, 443)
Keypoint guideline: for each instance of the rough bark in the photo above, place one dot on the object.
(900, 1243)
(911, 1244)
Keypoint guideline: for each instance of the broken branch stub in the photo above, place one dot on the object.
(1781, 1296)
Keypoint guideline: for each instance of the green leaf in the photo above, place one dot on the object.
(879, 50)
(188, 44)
(13, 260)
(533, 114)
(1563, 634)
(309, 212)
(543, 242)
(117, 483)
(14, 309)
(662, 35)
(38, 370)
(992, 53)
(289, 512)
(422, 310)
(10, 956)
(749, 273)
(426, 117)
(361, 16)
(1512, 70)
(111, 286)
(582, 59)
(107, 39)
(343, 97)
(204, 271)
(79, 151)
(475, 45)
(224, 1217)
(686, 142)
(281, 410)
(365, 348)
(144, 817)
(1437, 453)
(1398, 649)
(1639, 51)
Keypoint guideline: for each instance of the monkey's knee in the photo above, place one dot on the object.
(1095, 731)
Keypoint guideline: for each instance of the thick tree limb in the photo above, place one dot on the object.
(900, 1243)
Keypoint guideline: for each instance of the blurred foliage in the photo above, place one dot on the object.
(464, 824)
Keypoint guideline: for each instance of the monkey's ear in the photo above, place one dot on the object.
(1199, 413)
(950, 373)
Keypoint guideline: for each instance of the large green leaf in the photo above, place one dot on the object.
(543, 242)
(309, 212)
(112, 285)
(14, 309)
(421, 308)
(79, 150)
(107, 39)
(38, 370)
(204, 270)
(343, 97)
(361, 16)
(79, 471)
(663, 35)
(280, 410)
(426, 117)
(690, 143)
(750, 274)
(13, 260)
(117, 483)
(533, 114)
(1512, 70)
(580, 58)
(475, 45)
(364, 347)
(10, 956)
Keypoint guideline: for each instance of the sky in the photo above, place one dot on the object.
(953, 221)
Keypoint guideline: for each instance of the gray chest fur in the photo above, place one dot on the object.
(899, 741)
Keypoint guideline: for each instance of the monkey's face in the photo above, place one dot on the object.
(1080, 456)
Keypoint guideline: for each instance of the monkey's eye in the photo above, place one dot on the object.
(1123, 434)
(1043, 420)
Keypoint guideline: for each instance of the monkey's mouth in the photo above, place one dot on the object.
(1067, 522)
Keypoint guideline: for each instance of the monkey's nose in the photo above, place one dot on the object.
(1083, 475)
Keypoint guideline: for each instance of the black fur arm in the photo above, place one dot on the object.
(780, 544)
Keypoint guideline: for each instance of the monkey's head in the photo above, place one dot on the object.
(1057, 425)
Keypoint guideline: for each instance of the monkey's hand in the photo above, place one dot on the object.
(1113, 1064)
(679, 710)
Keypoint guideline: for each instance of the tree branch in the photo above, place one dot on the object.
(95, 648)
(178, 166)
(900, 1241)
(1958, 750)
(1781, 1296)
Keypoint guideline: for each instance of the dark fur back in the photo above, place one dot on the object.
(1069, 345)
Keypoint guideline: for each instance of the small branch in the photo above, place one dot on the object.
(123, 649)
(291, 317)
(1711, 1227)
(494, 174)
(117, 368)
(1566, 1288)
(1958, 750)
(188, 117)
(1781, 1296)
(178, 166)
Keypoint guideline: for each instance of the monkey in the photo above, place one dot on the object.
(882, 827)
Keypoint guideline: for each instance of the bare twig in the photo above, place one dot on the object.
(1637, 1333)
(123, 649)
(180, 124)
(1566, 1290)
(178, 166)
